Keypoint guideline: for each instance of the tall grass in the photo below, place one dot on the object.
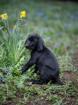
(11, 46)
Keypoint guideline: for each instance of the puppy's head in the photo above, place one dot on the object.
(34, 42)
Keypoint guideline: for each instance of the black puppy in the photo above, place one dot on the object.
(45, 62)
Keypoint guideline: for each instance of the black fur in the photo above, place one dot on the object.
(45, 62)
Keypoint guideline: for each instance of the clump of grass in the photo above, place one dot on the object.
(65, 62)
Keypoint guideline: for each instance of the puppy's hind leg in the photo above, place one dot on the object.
(59, 82)
(39, 82)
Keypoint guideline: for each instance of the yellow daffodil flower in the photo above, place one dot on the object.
(4, 16)
(23, 14)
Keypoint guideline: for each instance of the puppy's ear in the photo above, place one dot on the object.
(40, 45)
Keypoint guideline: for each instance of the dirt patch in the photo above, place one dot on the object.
(70, 101)
(9, 103)
(39, 103)
(70, 76)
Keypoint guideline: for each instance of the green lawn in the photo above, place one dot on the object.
(57, 23)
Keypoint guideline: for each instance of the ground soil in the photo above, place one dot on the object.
(67, 76)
